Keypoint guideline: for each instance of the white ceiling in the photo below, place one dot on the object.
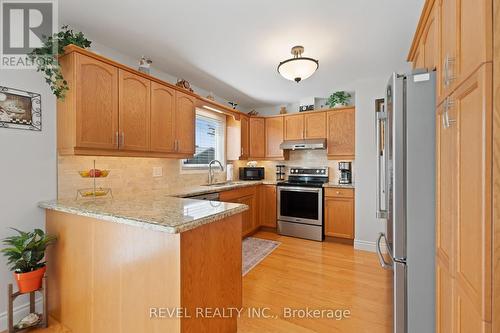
(232, 47)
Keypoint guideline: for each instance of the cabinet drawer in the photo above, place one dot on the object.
(339, 192)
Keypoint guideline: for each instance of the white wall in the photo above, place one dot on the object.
(27, 171)
(367, 225)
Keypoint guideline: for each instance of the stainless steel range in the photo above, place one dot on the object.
(300, 203)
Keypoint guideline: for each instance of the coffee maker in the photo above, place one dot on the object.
(345, 173)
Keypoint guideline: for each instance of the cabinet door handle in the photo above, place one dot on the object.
(176, 145)
(123, 139)
(117, 140)
(448, 103)
(448, 61)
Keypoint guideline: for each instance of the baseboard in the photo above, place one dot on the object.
(20, 311)
(369, 246)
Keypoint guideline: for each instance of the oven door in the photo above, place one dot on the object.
(300, 204)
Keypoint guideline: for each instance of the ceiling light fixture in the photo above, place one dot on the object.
(298, 68)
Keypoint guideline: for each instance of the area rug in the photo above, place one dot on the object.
(255, 250)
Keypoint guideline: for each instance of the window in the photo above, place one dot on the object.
(209, 140)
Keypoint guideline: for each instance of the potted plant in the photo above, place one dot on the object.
(46, 58)
(25, 253)
(338, 99)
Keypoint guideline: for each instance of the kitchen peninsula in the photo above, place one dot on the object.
(119, 262)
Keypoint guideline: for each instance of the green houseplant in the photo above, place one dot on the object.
(339, 98)
(46, 57)
(25, 253)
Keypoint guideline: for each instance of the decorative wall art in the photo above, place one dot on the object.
(20, 109)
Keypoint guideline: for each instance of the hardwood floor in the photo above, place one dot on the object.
(301, 274)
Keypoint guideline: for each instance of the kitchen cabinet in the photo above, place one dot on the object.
(472, 267)
(464, 212)
(315, 125)
(163, 129)
(134, 111)
(268, 206)
(339, 213)
(249, 197)
(245, 138)
(341, 133)
(185, 118)
(113, 110)
(426, 54)
(257, 138)
(294, 127)
(91, 107)
(466, 41)
(310, 125)
(274, 137)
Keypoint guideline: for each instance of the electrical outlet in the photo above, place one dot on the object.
(157, 171)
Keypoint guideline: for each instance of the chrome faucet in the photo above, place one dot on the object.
(211, 171)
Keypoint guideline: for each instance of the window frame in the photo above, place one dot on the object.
(220, 152)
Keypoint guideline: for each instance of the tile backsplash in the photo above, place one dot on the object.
(314, 158)
(128, 175)
(135, 175)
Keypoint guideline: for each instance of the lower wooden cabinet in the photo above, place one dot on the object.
(249, 197)
(268, 206)
(339, 213)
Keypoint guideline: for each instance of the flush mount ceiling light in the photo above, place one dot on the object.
(298, 68)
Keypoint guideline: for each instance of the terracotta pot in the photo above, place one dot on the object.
(31, 281)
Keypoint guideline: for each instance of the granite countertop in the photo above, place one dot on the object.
(155, 211)
(205, 189)
(167, 211)
(337, 185)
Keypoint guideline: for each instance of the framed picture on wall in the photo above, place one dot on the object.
(20, 109)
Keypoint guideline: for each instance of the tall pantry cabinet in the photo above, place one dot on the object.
(464, 40)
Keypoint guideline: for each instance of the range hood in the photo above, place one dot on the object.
(303, 144)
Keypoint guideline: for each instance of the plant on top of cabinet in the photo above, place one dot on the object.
(48, 63)
(338, 98)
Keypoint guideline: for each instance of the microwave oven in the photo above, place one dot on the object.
(251, 173)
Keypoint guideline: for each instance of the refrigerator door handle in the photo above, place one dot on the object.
(381, 158)
(381, 259)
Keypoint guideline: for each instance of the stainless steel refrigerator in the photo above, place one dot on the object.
(406, 197)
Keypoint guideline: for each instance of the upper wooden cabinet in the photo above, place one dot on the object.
(257, 138)
(274, 137)
(425, 54)
(311, 125)
(341, 133)
(245, 137)
(294, 127)
(134, 111)
(94, 103)
(455, 37)
(163, 129)
(315, 125)
(185, 117)
(116, 111)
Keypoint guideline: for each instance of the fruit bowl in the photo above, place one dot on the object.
(94, 173)
(90, 192)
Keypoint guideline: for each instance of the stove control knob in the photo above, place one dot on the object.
(317, 171)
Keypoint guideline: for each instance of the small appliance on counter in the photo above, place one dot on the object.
(229, 172)
(251, 173)
(345, 173)
(280, 172)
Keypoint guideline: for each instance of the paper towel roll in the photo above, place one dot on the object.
(229, 172)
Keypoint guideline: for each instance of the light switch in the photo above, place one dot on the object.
(157, 171)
